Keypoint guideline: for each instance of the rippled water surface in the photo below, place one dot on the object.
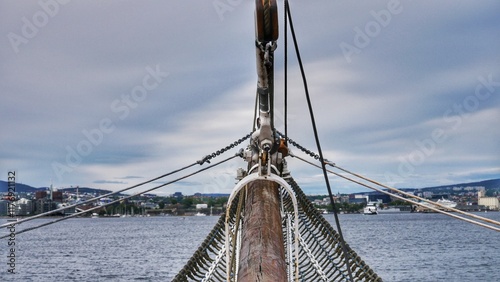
(398, 247)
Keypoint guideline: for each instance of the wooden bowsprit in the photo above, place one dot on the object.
(313, 250)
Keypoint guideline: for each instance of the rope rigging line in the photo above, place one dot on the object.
(210, 254)
(315, 156)
(125, 198)
(207, 159)
(416, 197)
(285, 70)
(316, 137)
(324, 243)
(241, 199)
(97, 198)
(405, 199)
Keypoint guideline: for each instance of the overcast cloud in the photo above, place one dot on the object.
(110, 93)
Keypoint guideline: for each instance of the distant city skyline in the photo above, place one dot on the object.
(472, 186)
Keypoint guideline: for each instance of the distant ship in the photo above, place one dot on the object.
(447, 203)
(371, 208)
(444, 202)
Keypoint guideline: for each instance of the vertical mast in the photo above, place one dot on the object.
(266, 34)
(262, 252)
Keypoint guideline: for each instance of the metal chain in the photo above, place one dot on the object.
(306, 151)
(321, 243)
(303, 149)
(208, 157)
(313, 260)
(215, 263)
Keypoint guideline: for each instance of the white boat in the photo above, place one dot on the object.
(370, 209)
(200, 214)
(447, 203)
(94, 215)
(444, 202)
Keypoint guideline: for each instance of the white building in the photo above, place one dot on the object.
(491, 202)
(201, 206)
(480, 194)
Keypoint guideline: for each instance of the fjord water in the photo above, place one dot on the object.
(398, 247)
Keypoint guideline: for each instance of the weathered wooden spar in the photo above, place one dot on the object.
(270, 231)
(262, 252)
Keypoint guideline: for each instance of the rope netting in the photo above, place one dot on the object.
(320, 252)
(320, 256)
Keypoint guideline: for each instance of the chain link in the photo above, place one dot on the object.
(208, 157)
(306, 151)
(303, 149)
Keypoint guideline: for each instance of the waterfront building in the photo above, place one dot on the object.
(44, 205)
(201, 206)
(491, 202)
(24, 207)
(4, 207)
(379, 197)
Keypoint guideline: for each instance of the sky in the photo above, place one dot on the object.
(107, 94)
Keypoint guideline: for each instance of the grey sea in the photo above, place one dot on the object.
(398, 247)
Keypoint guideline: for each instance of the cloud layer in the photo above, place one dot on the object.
(108, 94)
